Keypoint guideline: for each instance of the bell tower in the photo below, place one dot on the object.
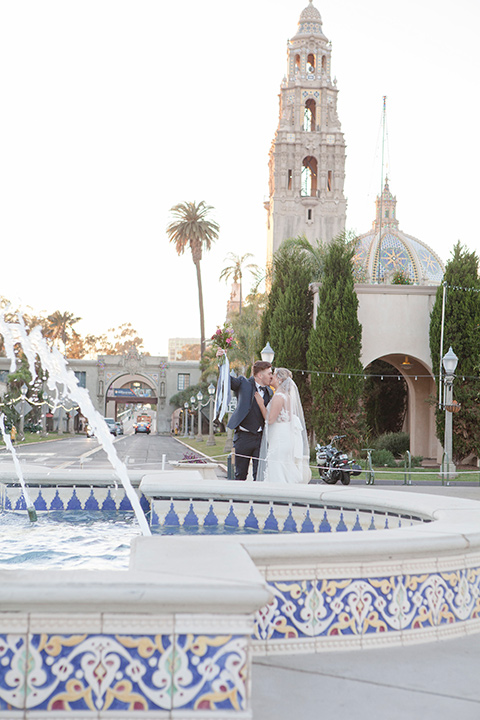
(307, 156)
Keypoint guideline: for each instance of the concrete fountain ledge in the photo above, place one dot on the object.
(173, 636)
(354, 589)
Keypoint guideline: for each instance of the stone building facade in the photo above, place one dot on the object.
(115, 380)
(307, 156)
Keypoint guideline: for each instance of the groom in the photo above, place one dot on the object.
(247, 420)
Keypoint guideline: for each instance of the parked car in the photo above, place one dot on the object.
(142, 427)
(112, 425)
(119, 428)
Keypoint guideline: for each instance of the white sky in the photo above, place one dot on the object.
(113, 111)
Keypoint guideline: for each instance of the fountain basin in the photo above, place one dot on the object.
(180, 626)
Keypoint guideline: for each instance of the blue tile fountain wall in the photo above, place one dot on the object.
(57, 498)
(212, 516)
(88, 674)
(364, 610)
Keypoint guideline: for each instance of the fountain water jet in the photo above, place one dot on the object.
(62, 382)
(32, 513)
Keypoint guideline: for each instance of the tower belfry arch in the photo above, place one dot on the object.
(307, 156)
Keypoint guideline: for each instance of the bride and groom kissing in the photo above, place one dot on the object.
(269, 427)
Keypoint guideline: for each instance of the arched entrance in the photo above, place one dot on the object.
(129, 390)
(420, 416)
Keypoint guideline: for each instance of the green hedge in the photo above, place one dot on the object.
(396, 443)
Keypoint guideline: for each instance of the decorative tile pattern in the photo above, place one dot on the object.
(120, 673)
(362, 607)
(172, 516)
(202, 516)
(45, 499)
(210, 673)
(13, 665)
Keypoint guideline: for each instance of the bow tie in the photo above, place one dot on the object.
(261, 388)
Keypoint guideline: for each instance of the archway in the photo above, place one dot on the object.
(385, 399)
(128, 390)
(419, 419)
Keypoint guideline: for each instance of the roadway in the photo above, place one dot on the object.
(138, 452)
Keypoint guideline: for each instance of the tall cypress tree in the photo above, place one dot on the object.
(462, 333)
(287, 320)
(335, 347)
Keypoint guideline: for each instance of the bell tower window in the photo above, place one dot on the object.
(324, 63)
(289, 179)
(330, 181)
(297, 63)
(309, 115)
(309, 176)
(311, 64)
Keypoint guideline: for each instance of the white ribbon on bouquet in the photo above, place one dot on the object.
(224, 393)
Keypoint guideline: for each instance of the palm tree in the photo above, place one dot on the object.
(314, 254)
(191, 227)
(58, 326)
(235, 270)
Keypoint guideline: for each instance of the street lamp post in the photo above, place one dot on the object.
(21, 431)
(267, 353)
(192, 430)
(44, 407)
(450, 361)
(199, 428)
(211, 393)
(185, 419)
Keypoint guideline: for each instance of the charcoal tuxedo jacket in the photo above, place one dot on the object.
(247, 413)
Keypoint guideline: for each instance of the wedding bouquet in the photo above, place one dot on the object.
(223, 337)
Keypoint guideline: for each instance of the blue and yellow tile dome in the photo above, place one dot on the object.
(386, 250)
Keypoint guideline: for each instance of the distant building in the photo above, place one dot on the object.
(115, 381)
(307, 156)
(306, 197)
(234, 304)
(183, 349)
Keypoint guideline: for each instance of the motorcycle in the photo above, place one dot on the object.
(334, 465)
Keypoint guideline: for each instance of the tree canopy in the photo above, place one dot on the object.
(191, 227)
(462, 333)
(335, 347)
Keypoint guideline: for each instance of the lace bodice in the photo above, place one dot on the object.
(283, 415)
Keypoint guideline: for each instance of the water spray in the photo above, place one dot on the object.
(62, 382)
(32, 513)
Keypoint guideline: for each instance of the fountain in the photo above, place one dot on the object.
(62, 382)
(174, 635)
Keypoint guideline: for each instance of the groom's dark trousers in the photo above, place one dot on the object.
(247, 446)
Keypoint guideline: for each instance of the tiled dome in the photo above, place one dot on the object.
(310, 14)
(385, 249)
(310, 22)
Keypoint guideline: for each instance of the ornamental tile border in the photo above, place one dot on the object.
(90, 674)
(377, 610)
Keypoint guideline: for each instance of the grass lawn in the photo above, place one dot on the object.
(36, 438)
(216, 452)
(395, 475)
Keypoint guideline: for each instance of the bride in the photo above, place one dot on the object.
(284, 454)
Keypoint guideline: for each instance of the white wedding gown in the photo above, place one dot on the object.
(285, 461)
